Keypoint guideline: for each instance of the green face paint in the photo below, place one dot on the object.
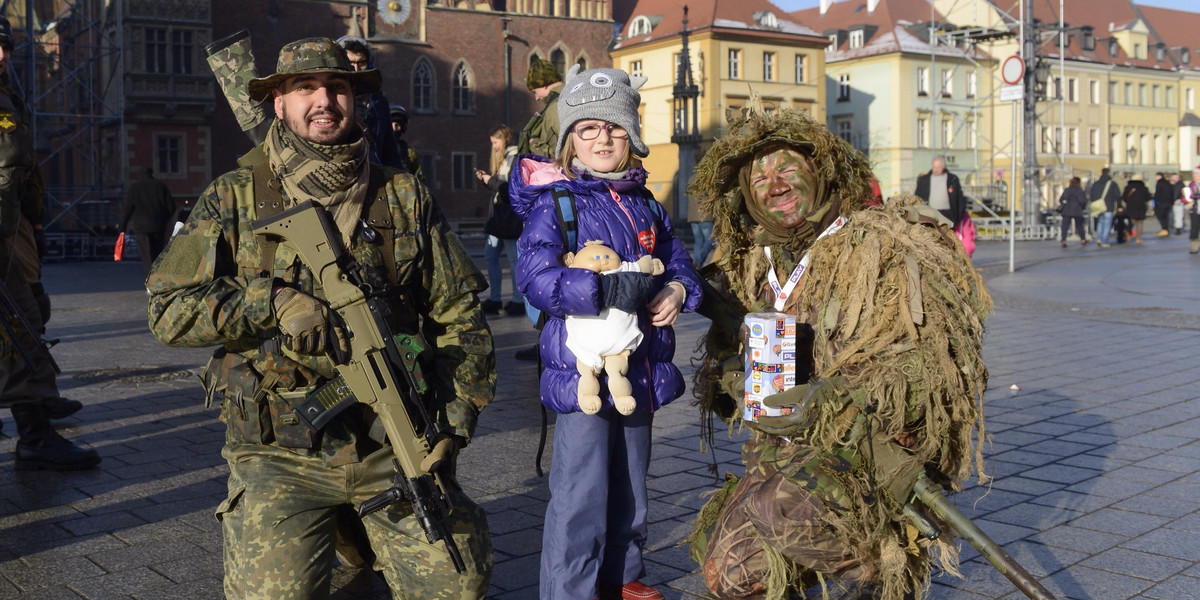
(783, 186)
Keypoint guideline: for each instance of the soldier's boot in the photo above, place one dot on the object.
(40, 447)
(61, 408)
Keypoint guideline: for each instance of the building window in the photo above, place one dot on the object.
(972, 84)
(156, 50)
(559, 59)
(833, 43)
(972, 137)
(856, 38)
(639, 26)
(947, 83)
(462, 171)
(735, 63)
(1155, 96)
(1144, 149)
(1170, 149)
(1072, 140)
(922, 81)
(1113, 92)
(168, 155)
(1045, 138)
(768, 66)
(429, 168)
(1128, 94)
(1141, 99)
(947, 133)
(1058, 139)
(1094, 91)
(461, 95)
(1170, 96)
(1113, 48)
(801, 68)
(1094, 141)
(845, 129)
(1055, 91)
(922, 132)
(1158, 149)
(422, 86)
(1072, 89)
(1189, 98)
(1114, 147)
(635, 68)
(1137, 51)
(843, 87)
(181, 52)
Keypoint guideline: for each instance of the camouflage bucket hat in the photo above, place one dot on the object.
(541, 74)
(313, 55)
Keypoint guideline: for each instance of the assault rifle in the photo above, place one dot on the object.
(10, 313)
(379, 371)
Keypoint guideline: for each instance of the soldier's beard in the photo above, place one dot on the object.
(302, 127)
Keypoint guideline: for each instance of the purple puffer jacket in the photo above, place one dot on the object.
(545, 282)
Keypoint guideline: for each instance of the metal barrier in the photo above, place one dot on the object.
(62, 247)
(996, 228)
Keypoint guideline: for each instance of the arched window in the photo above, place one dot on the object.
(559, 58)
(582, 62)
(462, 96)
(640, 26)
(422, 86)
(534, 57)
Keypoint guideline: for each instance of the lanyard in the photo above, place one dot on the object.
(783, 292)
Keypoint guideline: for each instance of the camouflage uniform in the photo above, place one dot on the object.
(288, 484)
(540, 134)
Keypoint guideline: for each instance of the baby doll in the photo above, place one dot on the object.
(603, 342)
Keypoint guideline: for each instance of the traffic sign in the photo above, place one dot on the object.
(1011, 92)
(1013, 70)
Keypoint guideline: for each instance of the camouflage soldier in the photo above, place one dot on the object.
(412, 159)
(540, 135)
(217, 284)
(890, 381)
(27, 378)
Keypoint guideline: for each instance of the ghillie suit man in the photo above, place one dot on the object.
(897, 375)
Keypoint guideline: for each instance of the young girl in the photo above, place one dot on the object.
(503, 226)
(596, 520)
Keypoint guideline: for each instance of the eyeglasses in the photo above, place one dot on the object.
(592, 131)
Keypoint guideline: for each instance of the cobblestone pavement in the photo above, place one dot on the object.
(1095, 457)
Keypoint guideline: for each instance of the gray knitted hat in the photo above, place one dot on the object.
(605, 95)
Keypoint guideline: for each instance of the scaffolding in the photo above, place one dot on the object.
(66, 64)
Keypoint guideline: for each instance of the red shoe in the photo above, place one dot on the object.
(631, 591)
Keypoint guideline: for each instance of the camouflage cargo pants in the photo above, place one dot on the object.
(278, 523)
(779, 504)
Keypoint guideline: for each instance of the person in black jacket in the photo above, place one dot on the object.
(1072, 205)
(146, 214)
(1106, 188)
(503, 226)
(1164, 199)
(1136, 199)
(941, 190)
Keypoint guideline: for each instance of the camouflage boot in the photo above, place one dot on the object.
(232, 62)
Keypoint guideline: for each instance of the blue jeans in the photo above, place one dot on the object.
(1104, 227)
(702, 233)
(492, 250)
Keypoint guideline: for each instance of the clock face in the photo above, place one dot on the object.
(394, 12)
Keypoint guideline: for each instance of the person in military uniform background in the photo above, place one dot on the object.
(890, 381)
(540, 134)
(412, 160)
(27, 375)
(217, 284)
(373, 109)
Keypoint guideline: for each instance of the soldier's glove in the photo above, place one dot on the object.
(443, 454)
(626, 291)
(801, 400)
(307, 326)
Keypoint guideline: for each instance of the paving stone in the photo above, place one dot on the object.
(44, 574)
(1175, 588)
(1138, 564)
(1086, 582)
(1129, 524)
(1163, 507)
(119, 586)
(1075, 538)
(1168, 542)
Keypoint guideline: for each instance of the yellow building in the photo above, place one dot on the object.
(901, 97)
(1114, 94)
(736, 47)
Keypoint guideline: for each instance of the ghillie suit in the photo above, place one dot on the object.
(897, 312)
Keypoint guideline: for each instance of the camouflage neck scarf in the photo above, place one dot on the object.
(334, 176)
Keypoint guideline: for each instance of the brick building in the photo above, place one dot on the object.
(445, 63)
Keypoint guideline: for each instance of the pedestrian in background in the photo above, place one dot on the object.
(1105, 188)
(941, 190)
(373, 109)
(1177, 203)
(1191, 193)
(28, 382)
(503, 226)
(146, 213)
(1072, 205)
(1164, 201)
(596, 521)
(1136, 200)
(412, 159)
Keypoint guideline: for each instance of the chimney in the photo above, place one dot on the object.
(871, 4)
(825, 4)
